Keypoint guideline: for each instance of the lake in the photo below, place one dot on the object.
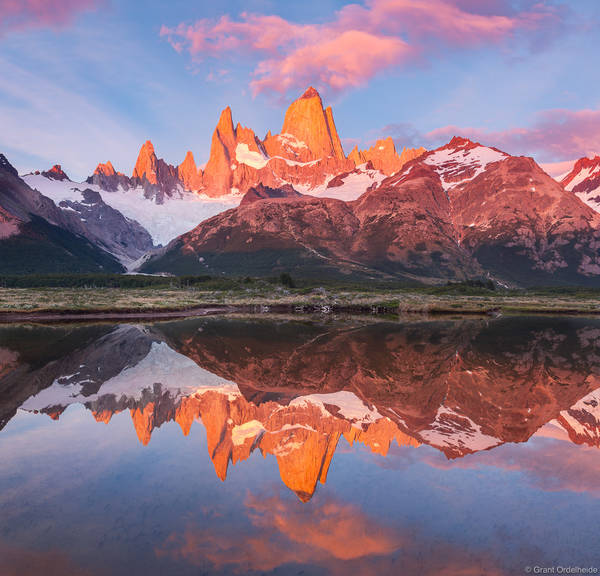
(300, 445)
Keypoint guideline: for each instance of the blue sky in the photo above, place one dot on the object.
(85, 81)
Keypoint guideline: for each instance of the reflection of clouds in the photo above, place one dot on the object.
(16, 561)
(335, 536)
(50, 460)
(549, 460)
(284, 531)
(339, 530)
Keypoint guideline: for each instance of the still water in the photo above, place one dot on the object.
(240, 445)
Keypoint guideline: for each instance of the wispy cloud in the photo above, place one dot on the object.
(35, 127)
(24, 14)
(361, 40)
(554, 135)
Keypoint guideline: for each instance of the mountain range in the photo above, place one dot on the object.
(295, 202)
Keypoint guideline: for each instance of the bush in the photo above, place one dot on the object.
(286, 280)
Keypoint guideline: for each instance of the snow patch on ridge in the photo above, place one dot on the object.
(178, 213)
(354, 185)
(291, 141)
(251, 158)
(583, 175)
(451, 163)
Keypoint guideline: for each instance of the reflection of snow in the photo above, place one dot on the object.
(250, 429)
(451, 429)
(351, 407)
(174, 372)
(583, 418)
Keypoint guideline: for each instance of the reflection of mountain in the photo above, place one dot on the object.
(292, 389)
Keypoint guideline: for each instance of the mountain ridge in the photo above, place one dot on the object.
(294, 202)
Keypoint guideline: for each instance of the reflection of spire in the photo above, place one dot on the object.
(143, 422)
(104, 415)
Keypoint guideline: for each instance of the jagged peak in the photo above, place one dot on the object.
(310, 92)
(107, 169)
(147, 146)
(6, 166)
(56, 173)
(225, 121)
(461, 142)
(586, 169)
(587, 162)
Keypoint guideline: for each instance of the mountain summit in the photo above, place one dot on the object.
(311, 125)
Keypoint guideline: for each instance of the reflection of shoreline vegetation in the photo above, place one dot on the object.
(121, 293)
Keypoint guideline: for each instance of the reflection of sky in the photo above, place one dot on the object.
(90, 495)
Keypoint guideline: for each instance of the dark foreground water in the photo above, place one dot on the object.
(234, 446)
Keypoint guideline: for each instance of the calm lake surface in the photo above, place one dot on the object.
(300, 446)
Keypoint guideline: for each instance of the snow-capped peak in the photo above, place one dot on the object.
(461, 160)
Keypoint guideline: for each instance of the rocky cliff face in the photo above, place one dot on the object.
(312, 128)
(156, 176)
(56, 173)
(218, 174)
(38, 237)
(107, 178)
(383, 156)
(306, 153)
(584, 181)
(260, 192)
(188, 173)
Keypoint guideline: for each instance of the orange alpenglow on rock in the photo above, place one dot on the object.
(146, 164)
(306, 153)
(307, 122)
(105, 169)
(301, 437)
(189, 174)
(55, 173)
(217, 174)
(383, 156)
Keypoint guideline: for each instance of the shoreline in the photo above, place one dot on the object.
(64, 304)
(54, 315)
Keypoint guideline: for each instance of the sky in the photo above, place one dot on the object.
(86, 81)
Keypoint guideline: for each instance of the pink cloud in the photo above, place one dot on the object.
(347, 60)
(556, 169)
(555, 135)
(359, 42)
(550, 463)
(23, 14)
